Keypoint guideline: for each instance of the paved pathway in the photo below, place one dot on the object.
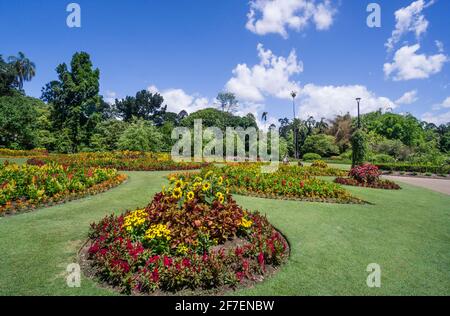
(438, 185)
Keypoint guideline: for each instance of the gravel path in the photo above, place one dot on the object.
(438, 185)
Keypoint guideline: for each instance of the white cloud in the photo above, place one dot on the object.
(407, 64)
(445, 104)
(110, 97)
(409, 19)
(408, 98)
(328, 101)
(437, 119)
(440, 46)
(276, 16)
(271, 77)
(178, 100)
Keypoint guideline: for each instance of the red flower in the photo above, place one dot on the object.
(167, 262)
(302, 184)
(245, 265)
(261, 260)
(283, 182)
(239, 251)
(240, 276)
(186, 262)
(155, 275)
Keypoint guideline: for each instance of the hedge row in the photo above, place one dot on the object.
(444, 169)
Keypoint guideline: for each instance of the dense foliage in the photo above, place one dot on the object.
(28, 186)
(192, 235)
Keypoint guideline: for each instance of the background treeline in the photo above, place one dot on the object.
(72, 116)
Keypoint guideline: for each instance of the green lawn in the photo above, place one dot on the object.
(19, 161)
(407, 232)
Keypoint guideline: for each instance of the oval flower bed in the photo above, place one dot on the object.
(27, 187)
(192, 236)
(293, 183)
(367, 176)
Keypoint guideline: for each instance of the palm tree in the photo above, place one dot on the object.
(322, 125)
(264, 116)
(25, 68)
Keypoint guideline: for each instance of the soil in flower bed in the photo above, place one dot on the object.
(192, 238)
(379, 184)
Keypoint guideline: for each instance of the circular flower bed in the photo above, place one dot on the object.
(192, 236)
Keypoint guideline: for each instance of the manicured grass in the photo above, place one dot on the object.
(407, 232)
(18, 161)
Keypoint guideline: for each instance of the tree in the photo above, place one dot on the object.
(359, 146)
(321, 144)
(24, 68)
(341, 129)
(18, 126)
(145, 105)
(75, 99)
(141, 136)
(7, 78)
(227, 101)
(264, 116)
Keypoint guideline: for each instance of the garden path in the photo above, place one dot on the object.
(438, 185)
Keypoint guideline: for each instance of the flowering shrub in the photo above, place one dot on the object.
(192, 235)
(319, 164)
(124, 161)
(366, 173)
(380, 184)
(289, 182)
(27, 187)
(23, 153)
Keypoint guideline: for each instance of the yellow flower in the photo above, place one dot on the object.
(134, 220)
(172, 179)
(190, 196)
(157, 231)
(220, 181)
(246, 223)
(179, 184)
(206, 186)
(182, 249)
(177, 193)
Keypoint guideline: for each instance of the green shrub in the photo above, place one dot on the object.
(359, 146)
(311, 157)
(382, 158)
(405, 167)
(321, 144)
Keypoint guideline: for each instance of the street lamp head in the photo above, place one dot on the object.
(293, 94)
(358, 99)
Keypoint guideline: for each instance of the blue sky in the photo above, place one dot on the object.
(190, 50)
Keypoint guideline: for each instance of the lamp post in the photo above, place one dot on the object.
(359, 116)
(294, 95)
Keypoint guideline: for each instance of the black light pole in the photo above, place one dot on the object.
(294, 95)
(359, 116)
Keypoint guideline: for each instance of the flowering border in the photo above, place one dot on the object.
(18, 207)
